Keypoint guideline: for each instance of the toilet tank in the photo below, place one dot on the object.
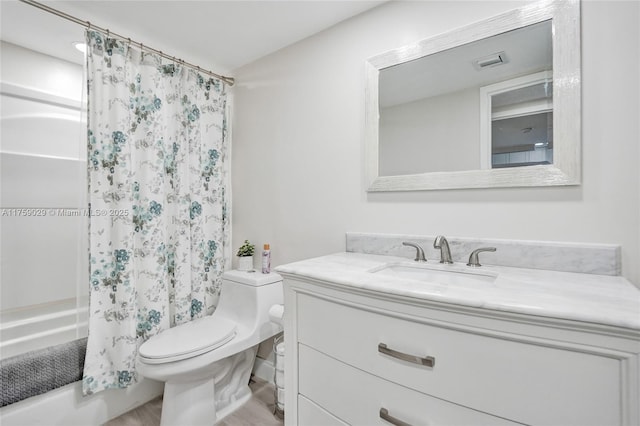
(251, 278)
(247, 297)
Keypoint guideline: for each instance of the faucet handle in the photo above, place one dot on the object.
(419, 252)
(473, 259)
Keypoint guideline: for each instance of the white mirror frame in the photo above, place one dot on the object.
(566, 167)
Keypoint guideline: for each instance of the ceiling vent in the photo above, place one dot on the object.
(490, 61)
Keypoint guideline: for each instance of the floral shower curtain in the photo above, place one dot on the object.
(158, 223)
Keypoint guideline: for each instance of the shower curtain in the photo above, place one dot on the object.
(158, 228)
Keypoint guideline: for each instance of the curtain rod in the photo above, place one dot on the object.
(229, 80)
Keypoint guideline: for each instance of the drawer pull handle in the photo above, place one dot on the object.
(384, 415)
(429, 361)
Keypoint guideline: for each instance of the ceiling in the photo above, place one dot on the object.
(217, 35)
(527, 50)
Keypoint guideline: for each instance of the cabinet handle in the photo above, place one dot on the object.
(384, 415)
(429, 361)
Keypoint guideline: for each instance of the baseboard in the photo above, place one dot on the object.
(264, 369)
(66, 406)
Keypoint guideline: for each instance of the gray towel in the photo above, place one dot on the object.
(37, 372)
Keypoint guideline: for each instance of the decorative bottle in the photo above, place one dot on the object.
(266, 259)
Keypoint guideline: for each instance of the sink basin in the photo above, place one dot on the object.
(441, 274)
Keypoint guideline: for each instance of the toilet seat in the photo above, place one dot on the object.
(187, 340)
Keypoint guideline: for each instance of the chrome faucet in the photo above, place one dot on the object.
(419, 252)
(473, 258)
(442, 243)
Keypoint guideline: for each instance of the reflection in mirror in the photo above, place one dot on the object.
(432, 107)
(516, 127)
(522, 141)
(470, 108)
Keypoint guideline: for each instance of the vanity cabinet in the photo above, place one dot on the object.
(362, 357)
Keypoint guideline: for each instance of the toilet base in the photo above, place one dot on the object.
(188, 403)
(202, 402)
(237, 403)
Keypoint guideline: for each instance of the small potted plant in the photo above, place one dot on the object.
(245, 256)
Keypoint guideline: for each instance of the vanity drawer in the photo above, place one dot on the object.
(524, 381)
(357, 398)
(310, 414)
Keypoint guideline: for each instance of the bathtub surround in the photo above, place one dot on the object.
(601, 259)
(43, 170)
(157, 190)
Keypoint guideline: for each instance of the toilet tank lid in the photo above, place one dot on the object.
(254, 278)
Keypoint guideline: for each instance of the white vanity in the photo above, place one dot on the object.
(379, 340)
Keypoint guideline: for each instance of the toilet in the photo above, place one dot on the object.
(206, 363)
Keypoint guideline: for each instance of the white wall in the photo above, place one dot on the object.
(298, 179)
(432, 130)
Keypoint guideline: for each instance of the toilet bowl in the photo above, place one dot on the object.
(206, 363)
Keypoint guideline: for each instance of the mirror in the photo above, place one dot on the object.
(493, 104)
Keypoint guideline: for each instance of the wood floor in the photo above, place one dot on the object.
(257, 412)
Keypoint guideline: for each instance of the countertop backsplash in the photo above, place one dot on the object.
(600, 259)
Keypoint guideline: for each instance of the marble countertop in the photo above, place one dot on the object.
(601, 299)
